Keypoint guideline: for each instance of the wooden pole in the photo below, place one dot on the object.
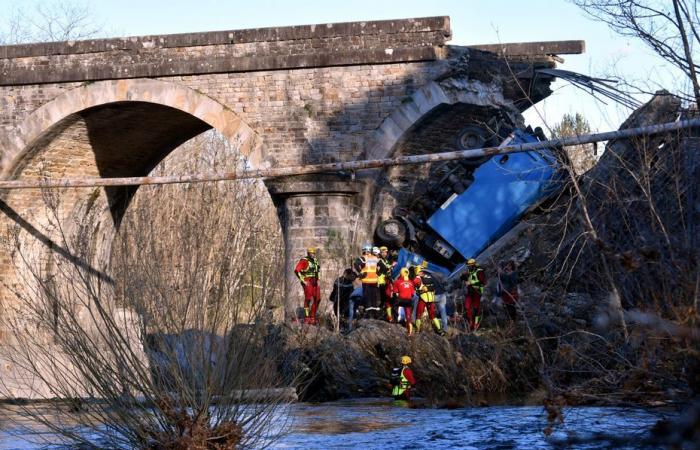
(350, 165)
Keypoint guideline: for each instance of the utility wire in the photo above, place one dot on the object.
(350, 165)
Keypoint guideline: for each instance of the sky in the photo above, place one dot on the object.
(472, 22)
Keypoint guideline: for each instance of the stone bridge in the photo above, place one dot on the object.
(285, 96)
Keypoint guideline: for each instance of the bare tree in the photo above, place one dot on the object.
(669, 29)
(166, 350)
(49, 22)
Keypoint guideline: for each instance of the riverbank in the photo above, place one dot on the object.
(531, 362)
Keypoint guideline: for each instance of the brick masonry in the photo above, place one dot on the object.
(287, 96)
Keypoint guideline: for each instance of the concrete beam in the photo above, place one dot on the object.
(516, 49)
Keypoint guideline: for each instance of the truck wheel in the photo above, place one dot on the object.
(473, 136)
(391, 233)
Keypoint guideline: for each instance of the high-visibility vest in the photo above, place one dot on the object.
(386, 268)
(401, 387)
(370, 270)
(427, 288)
(312, 269)
(473, 280)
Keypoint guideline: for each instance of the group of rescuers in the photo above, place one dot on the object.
(414, 290)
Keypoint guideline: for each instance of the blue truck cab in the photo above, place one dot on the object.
(503, 189)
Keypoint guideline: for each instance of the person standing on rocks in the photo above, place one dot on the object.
(367, 265)
(384, 282)
(340, 296)
(403, 290)
(508, 288)
(475, 280)
(402, 380)
(308, 270)
(425, 285)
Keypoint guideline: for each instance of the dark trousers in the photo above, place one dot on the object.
(370, 297)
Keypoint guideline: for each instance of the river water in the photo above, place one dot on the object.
(380, 424)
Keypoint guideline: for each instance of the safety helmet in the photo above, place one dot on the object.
(375, 251)
(471, 262)
(405, 360)
(383, 249)
(311, 250)
(367, 248)
(404, 272)
(417, 269)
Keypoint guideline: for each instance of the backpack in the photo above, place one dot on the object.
(396, 376)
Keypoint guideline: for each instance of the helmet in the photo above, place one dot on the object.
(383, 249)
(471, 262)
(417, 269)
(311, 250)
(367, 248)
(405, 360)
(375, 250)
(404, 272)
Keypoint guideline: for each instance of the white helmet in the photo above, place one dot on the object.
(375, 251)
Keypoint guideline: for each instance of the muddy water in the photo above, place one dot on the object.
(381, 424)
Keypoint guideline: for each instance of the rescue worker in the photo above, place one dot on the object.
(425, 285)
(403, 291)
(402, 380)
(308, 271)
(384, 274)
(366, 265)
(475, 280)
(340, 296)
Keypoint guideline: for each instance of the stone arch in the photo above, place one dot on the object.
(63, 138)
(28, 134)
(424, 102)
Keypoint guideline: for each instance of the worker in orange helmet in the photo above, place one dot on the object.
(308, 271)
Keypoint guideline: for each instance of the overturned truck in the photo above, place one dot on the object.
(468, 204)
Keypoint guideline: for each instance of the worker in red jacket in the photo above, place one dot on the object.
(403, 291)
(475, 281)
(308, 271)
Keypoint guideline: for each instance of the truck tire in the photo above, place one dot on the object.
(473, 136)
(391, 233)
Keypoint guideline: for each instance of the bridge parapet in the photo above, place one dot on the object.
(306, 46)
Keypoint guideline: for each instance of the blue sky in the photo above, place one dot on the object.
(473, 22)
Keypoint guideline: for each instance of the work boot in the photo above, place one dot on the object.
(436, 325)
(410, 329)
(418, 325)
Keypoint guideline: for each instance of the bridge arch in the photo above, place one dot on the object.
(44, 123)
(434, 97)
(429, 121)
